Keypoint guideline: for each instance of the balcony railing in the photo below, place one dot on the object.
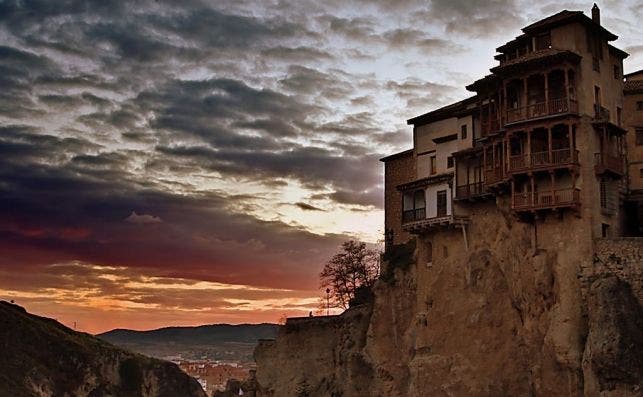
(470, 190)
(605, 162)
(555, 158)
(413, 215)
(489, 126)
(601, 113)
(545, 199)
(542, 109)
(493, 175)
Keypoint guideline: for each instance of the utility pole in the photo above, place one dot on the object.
(327, 301)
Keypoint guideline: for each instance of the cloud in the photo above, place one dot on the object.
(307, 207)
(202, 119)
(143, 219)
(474, 18)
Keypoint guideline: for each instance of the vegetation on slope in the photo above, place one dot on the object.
(41, 357)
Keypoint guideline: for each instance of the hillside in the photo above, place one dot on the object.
(41, 357)
(216, 341)
(205, 334)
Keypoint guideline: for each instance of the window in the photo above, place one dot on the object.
(413, 206)
(442, 202)
(618, 116)
(543, 41)
(603, 193)
(641, 173)
(639, 136)
(639, 105)
(605, 229)
(450, 162)
(617, 72)
(597, 95)
(433, 166)
(463, 132)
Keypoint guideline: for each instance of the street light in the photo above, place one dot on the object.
(327, 301)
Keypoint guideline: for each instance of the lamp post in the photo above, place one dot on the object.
(327, 301)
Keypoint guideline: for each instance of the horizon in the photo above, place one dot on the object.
(197, 164)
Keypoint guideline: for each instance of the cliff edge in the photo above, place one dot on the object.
(512, 312)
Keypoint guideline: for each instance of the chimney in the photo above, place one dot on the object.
(596, 14)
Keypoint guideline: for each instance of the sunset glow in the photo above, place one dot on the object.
(182, 163)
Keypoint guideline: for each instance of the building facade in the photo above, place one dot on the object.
(633, 121)
(544, 136)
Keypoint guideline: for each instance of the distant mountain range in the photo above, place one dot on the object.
(204, 334)
(217, 341)
(41, 357)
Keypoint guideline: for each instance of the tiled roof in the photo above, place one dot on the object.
(565, 17)
(443, 112)
(633, 86)
(394, 156)
(548, 54)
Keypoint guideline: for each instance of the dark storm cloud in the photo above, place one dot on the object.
(310, 81)
(413, 38)
(307, 207)
(296, 54)
(373, 197)
(473, 18)
(359, 29)
(422, 94)
(122, 105)
(53, 213)
(314, 167)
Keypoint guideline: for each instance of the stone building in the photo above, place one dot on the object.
(543, 137)
(633, 121)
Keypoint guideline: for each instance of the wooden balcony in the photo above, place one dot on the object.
(425, 225)
(470, 191)
(548, 199)
(542, 109)
(542, 160)
(417, 214)
(493, 176)
(605, 163)
(489, 126)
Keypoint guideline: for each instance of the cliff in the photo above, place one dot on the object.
(509, 309)
(41, 357)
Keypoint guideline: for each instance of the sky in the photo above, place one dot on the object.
(181, 163)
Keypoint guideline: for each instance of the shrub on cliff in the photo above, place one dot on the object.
(399, 256)
(363, 295)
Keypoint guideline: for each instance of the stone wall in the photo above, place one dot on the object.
(612, 285)
(317, 356)
(620, 257)
(398, 169)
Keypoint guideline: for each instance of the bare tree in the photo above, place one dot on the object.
(352, 269)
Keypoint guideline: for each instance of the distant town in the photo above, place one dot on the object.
(213, 375)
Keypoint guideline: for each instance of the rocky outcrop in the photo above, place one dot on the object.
(517, 309)
(42, 358)
(317, 356)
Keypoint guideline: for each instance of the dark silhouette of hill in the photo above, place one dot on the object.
(202, 335)
(41, 357)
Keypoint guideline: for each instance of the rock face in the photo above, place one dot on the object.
(517, 309)
(41, 357)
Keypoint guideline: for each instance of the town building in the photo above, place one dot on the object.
(633, 121)
(544, 137)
